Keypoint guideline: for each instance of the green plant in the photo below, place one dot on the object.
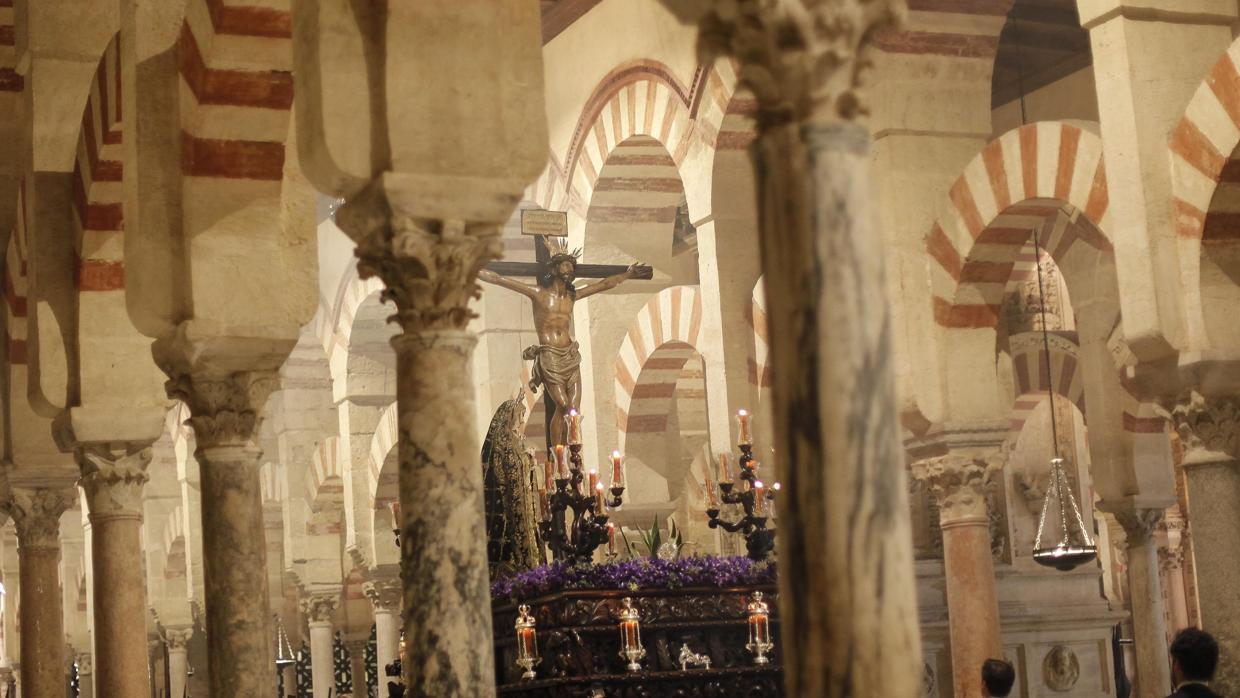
(653, 539)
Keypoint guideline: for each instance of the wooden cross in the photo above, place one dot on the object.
(542, 255)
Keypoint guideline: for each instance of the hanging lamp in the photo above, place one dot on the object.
(1074, 546)
(284, 650)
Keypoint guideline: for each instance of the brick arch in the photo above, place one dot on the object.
(1018, 182)
(381, 444)
(325, 477)
(1031, 381)
(174, 529)
(16, 285)
(672, 315)
(97, 167)
(272, 484)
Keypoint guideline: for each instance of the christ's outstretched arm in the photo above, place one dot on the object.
(612, 281)
(511, 284)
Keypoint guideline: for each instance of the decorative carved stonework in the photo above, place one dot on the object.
(1170, 559)
(85, 663)
(224, 409)
(1207, 426)
(319, 608)
(384, 593)
(429, 267)
(113, 482)
(177, 639)
(1061, 669)
(959, 484)
(802, 59)
(1139, 524)
(36, 514)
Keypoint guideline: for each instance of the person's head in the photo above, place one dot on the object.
(1194, 656)
(997, 677)
(560, 266)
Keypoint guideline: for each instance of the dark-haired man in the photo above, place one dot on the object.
(1194, 657)
(997, 678)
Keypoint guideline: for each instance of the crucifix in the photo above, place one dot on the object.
(557, 362)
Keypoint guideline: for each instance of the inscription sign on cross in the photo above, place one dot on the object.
(557, 362)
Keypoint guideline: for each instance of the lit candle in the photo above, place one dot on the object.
(617, 470)
(599, 500)
(611, 538)
(561, 460)
(725, 468)
(743, 417)
(593, 479)
(775, 487)
(759, 498)
(549, 473)
(574, 426)
(712, 499)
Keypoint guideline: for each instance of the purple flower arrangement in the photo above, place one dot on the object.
(634, 574)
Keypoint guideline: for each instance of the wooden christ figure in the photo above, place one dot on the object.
(557, 361)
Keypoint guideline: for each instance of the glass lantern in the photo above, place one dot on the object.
(527, 642)
(631, 649)
(759, 629)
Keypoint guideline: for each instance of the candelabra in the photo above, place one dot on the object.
(755, 501)
(576, 541)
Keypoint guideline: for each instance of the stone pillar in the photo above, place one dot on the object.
(113, 485)
(1149, 618)
(1171, 567)
(177, 641)
(845, 548)
(384, 595)
(1209, 428)
(36, 513)
(958, 484)
(86, 678)
(319, 609)
(224, 415)
(357, 664)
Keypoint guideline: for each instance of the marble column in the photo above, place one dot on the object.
(113, 484)
(177, 641)
(1171, 567)
(958, 484)
(319, 610)
(1149, 616)
(1209, 428)
(384, 595)
(86, 676)
(36, 513)
(224, 415)
(357, 664)
(845, 547)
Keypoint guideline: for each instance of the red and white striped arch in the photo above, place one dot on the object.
(174, 530)
(759, 364)
(10, 79)
(325, 477)
(97, 195)
(1016, 183)
(271, 483)
(16, 284)
(1202, 144)
(336, 328)
(1032, 382)
(383, 484)
(673, 315)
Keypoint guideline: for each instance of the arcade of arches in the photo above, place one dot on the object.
(244, 343)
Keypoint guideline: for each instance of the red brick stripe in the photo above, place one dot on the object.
(1191, 144)
(100, 275)
(272, 89)
(936, 44)
(250, 21)
(10, 81)
(1029, 159)
(1069, 141)
(962, 197)
(1224, 82)
(203, 157)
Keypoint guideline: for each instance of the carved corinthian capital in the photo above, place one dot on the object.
(319, 608)
(802, 59)
(113, 481)
(1209, 427)
(177, 638)
(224, 409)
(959, 484)
(384, 593)
(36, 514)
(1140, 524)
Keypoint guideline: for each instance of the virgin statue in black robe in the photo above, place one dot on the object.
(510, 492)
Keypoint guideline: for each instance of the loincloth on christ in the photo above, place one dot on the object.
(559, 366)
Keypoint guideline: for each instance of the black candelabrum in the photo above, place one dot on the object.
(756, 503)
(576, 542)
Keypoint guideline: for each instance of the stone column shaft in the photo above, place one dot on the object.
(385, 595)
(1172, 565)
(178, 660)
(959, 484)
(114, 497)
(1210, 431)
(319, 609)
(357, 665)
(36, 512)
(1149, 615)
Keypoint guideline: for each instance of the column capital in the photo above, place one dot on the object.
(224, 408)
(428, 265)
(1209, 427)
(36, 515)
(384, 593)
(1140, 524)
(803, 59)
(319, 608)
(85, 663)
(177, 638)
(959, 484)
(1170, 559)
(113, 480)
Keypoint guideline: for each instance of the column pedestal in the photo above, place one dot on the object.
(36, 513)
(1149, 615)
(959, 485)
(113, 488)
(319, 611)
(177, 641)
